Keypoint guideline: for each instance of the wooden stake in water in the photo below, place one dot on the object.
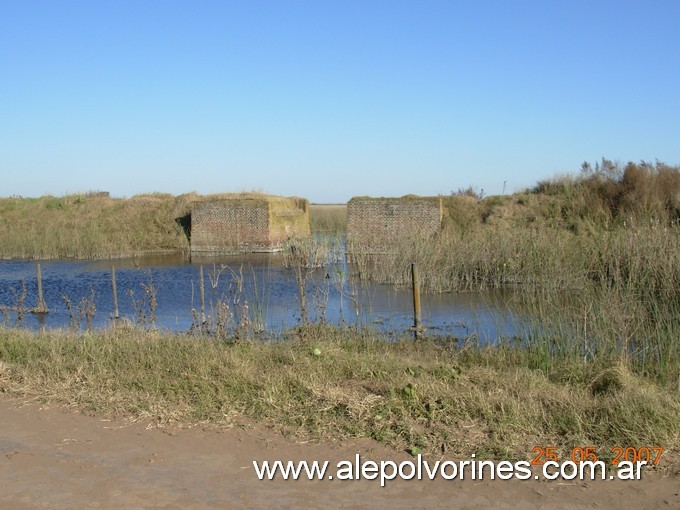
(115, 292)
(416, 302)
(41, 308)
(200, 286)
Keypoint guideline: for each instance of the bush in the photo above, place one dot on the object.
(607, 192)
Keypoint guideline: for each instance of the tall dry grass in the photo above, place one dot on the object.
(594, 259)
(609, 192)
(328, 219)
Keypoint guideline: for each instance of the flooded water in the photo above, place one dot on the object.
(269, 289)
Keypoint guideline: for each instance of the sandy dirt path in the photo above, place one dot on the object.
(53, 459)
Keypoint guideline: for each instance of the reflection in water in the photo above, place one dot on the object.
(261, 281)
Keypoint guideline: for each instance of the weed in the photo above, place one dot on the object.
(84, 309)
(89, 308)
(145, 306)
(20, 302)
(223, 318)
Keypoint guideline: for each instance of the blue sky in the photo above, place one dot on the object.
(328, 100)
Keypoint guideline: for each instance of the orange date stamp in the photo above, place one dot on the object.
(651, 455)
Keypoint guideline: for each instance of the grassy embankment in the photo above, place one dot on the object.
(91, 226)
(96, 226)
(595, 259)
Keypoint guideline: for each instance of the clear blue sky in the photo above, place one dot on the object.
(330, 99)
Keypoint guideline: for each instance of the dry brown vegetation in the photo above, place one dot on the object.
(326, 382)
(595, 259)
(328, 218)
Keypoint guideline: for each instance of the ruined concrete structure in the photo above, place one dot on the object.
(379, 221)
(247, 223)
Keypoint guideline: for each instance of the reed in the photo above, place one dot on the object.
(329, 219)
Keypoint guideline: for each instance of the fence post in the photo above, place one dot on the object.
(416, 302)
(115, 293)
(200, 286)
(41, 308)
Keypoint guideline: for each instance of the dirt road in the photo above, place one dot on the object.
(53, 459)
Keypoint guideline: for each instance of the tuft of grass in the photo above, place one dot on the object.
(328, 382)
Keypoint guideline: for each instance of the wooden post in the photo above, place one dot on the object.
(115, 292)
(416, 302)
(200, 286)
(41, 308)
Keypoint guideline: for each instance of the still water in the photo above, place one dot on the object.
(262, 281)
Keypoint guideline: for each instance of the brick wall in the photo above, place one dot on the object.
(378, 221)
(247, 225)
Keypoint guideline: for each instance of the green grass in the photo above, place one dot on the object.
(430, 394)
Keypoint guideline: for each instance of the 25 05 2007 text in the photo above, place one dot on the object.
(648, 454)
